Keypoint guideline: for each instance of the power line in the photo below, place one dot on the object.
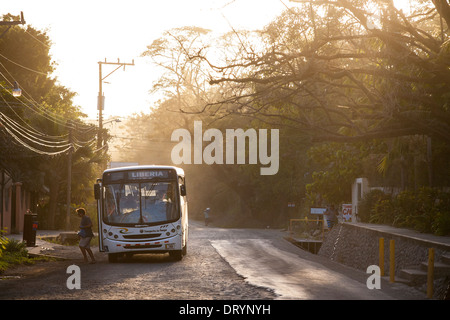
(28, 106)
(20, 136)
(29, 137)
(45, 45)
(15, 130)
(36, 108)
(19, 65)
(26, 145)
(26, 134)
(34, 105)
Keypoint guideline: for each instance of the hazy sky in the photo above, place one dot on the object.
(85, 32)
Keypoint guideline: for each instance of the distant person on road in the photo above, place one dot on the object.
(85, 235)
(206, 214)
(331, 216)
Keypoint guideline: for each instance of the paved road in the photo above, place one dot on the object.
(265, 259)
(222, 264)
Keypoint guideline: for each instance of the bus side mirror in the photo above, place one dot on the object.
(183, 190)
(97, 191)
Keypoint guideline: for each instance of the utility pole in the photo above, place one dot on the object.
(101, 101)
(69, 176)
(11, 23)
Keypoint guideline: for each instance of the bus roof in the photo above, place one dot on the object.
(179, 171)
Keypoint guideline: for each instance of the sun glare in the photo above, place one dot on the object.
(403, 5)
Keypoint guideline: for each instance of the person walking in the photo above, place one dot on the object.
(85, 235)
(206, 214)
(331, 216)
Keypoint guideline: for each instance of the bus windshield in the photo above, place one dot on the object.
(140, 203)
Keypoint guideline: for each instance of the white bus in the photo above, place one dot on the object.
(142, 209)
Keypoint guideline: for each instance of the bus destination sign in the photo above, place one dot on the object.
(148, 174)
(111, 177)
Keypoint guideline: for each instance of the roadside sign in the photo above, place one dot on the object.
(318, 210)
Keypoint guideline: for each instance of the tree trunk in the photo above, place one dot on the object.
(53, 203)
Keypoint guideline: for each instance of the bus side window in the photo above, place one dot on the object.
(182, 186)
(97, 191)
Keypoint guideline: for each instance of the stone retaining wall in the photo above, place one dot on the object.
(358, 247)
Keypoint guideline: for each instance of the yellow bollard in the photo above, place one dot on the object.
(381, 257)
(392, 262)
(430, 275)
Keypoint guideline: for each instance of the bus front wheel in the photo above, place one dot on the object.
(112, 257)
(176, 255)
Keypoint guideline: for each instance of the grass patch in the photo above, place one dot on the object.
(69, 241)
(14, 252)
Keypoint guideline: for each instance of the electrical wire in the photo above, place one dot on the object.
(19, 65)
(37, 108)
(29, 137)
(13, 132)
(34, 149)
(51, 144)
(25, 133)
(45, 45)
(31, 101)
(35, 104)
(27, 124)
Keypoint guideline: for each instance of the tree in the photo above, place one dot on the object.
(358, 73)
(337, 166)
(183, 79)
(348, 71)
(38, 129)
(326, 69)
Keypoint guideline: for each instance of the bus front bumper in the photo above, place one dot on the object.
(165, 245)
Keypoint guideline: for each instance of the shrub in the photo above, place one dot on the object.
(441, 223)
(3, 241)
(425, 210)
(383, 212)
(12, 252)
(404, 208)
(16, 247)
(367, 205)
